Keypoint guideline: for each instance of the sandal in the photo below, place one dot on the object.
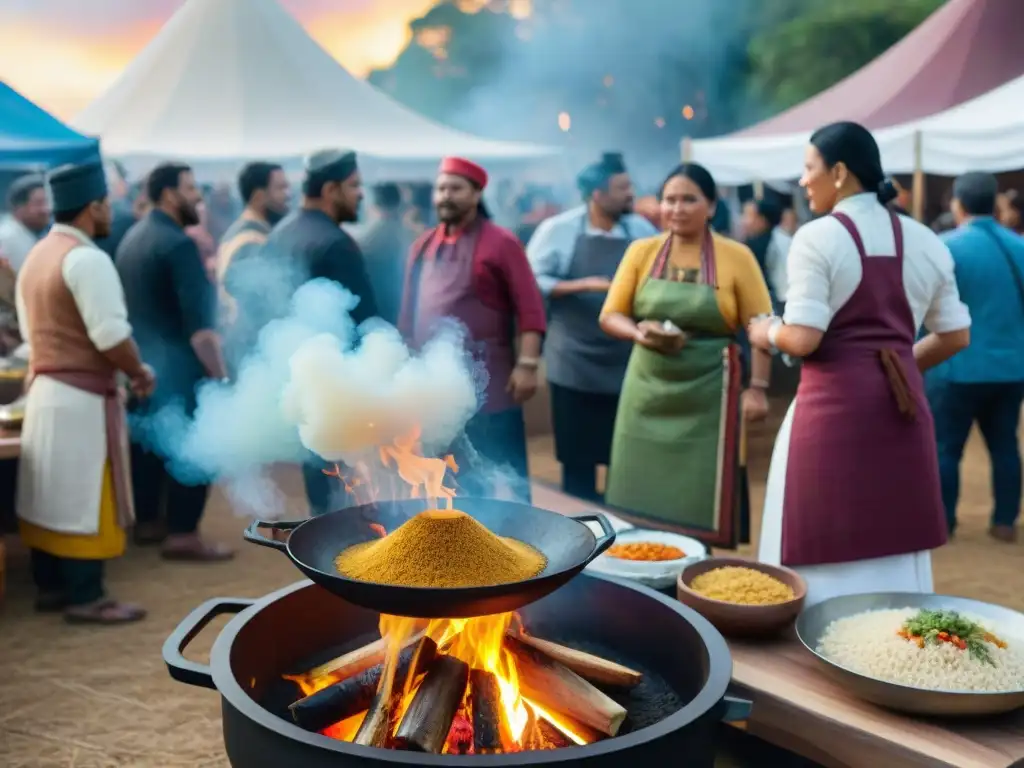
(197, 553)
(106, 612)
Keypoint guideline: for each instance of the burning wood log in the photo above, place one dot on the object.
(428, 720)
(354, 694)
(586, 665)
(557, 688)
(488, 715)
(359, 660)
(546, 736)
(375, 729)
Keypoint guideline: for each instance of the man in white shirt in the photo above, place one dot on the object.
(74, 489)
(574, 256)
(770, 243)
(28, 219)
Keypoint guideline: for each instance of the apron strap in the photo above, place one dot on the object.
(850, 227)
(708, 270)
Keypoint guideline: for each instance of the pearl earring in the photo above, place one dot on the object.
(839, 185)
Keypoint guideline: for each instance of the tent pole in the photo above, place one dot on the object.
(919, 186)
(759, 190)
(687, 149)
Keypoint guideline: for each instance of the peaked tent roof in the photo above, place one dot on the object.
(242, 79)
(29, 135)
(965, 48)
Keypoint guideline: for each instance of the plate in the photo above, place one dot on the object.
(658, 575)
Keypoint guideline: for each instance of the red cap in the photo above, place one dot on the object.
(460, 167)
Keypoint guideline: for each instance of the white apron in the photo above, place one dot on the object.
(63, 454)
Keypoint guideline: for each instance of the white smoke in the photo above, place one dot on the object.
(309, 387)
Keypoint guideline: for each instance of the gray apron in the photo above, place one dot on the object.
(577, 353)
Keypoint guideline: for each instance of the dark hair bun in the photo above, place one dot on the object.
(886, 191)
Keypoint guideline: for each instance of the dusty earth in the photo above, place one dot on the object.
(99, 698)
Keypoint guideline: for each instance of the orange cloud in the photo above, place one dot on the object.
(63, 72)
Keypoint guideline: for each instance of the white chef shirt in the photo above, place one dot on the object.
(824, 269)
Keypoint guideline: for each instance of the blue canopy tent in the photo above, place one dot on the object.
(32, 137)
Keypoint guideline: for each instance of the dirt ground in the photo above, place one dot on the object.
(100, 698)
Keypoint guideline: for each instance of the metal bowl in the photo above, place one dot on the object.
(812, 623)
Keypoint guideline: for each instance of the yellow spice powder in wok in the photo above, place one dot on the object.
(441, 549)
(745, 586)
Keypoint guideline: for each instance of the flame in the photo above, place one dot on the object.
(424, 475)
(479, 641)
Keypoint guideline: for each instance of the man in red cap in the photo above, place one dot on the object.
(474, 271)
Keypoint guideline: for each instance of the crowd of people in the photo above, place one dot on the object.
(657, 333)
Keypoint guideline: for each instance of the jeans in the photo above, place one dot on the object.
(996, 408)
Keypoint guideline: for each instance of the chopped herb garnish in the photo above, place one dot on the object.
(934, 627)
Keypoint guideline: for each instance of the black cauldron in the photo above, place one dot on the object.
(685, 661)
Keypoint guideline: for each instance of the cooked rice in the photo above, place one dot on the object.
(867, 643)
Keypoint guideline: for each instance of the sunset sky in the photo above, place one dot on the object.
(64, 53)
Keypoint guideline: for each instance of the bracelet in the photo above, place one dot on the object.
(758, 384)
(528, 362)
(773, 332)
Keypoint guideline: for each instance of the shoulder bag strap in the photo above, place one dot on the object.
(1018, 276)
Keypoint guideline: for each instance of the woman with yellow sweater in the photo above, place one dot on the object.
(681, 297)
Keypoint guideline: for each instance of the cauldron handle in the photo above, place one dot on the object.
(603, 542)
(252, 534)
(192, 672)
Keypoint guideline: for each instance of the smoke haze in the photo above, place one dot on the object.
(307, 387)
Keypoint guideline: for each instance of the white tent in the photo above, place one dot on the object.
(241, 79)
(983, 134)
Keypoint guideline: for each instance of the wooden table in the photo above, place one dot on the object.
(10, 444)
(797, 708)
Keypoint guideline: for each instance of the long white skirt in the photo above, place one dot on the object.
(897, 573)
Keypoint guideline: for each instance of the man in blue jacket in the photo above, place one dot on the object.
(985, 382)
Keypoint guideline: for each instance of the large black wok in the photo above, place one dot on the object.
(567, 543)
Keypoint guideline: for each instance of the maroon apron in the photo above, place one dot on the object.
(443, 284)
(862, 479)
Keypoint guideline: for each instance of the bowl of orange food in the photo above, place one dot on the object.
(652, 558)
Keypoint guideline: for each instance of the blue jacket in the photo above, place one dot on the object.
(990, 289)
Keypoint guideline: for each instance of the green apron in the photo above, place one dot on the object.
(674, 462)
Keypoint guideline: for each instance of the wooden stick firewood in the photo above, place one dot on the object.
(375, 729)
(359, 660)
(558, 689)
(354, 694)
(428, 720)
(586, 665)
(487, 712)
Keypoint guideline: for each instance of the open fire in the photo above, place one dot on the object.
(463, 686)
(455, 686)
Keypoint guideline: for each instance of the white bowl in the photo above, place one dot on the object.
(657, 574)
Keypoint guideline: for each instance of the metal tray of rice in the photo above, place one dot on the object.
(892, 649)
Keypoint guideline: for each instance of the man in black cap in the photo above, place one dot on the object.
(574, 256)
(307, 245)
(172, 305)
(74, 496)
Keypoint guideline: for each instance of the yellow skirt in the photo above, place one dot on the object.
(107, 543)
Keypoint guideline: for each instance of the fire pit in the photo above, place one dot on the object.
(608, 671)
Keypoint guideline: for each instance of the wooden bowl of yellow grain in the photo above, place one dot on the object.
(746, 604)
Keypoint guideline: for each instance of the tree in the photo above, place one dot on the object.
(790, 61)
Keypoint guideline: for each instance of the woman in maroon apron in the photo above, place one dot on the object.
(853, 499)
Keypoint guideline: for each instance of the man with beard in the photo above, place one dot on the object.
(74, 496)
(472, 270)
(574, 256)
(28, 219)
(171, 305)
(264, 189)
(309, 244)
